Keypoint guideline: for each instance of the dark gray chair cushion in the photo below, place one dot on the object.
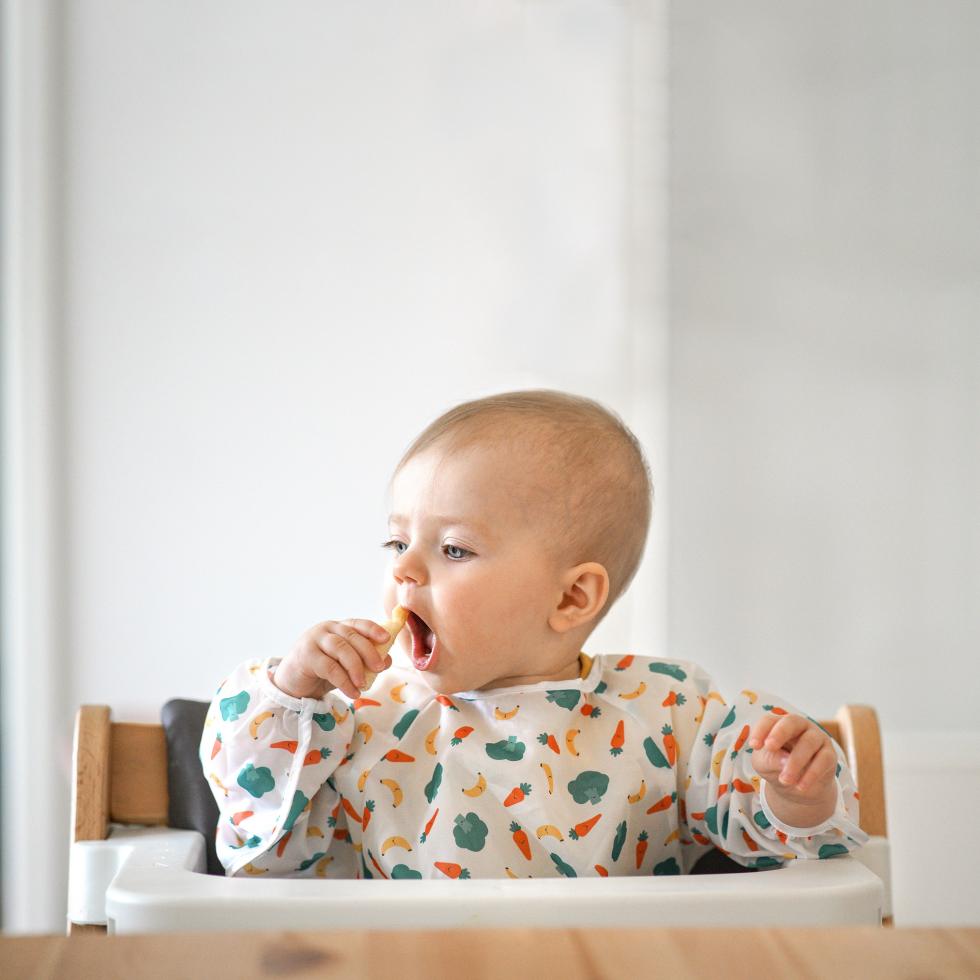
(192, 806)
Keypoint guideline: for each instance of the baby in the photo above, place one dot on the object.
(491, 745)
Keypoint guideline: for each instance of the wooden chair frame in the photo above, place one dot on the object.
(120, 773)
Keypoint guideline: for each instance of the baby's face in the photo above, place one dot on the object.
(467, 556)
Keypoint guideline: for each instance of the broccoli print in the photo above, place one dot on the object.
(470, 832)
(588, 787)
(509, 750)
(564, 699)
(327, 722)
(232, 708)
(256, 781)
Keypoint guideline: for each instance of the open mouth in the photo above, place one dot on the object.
(423, 642)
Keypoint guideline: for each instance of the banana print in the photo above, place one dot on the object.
(219, 784)
(639, 794)
(550, 777)
(478, 787)
(430, 741)
(521, 786)
(396, 791)
(549, 830)
(256, 722)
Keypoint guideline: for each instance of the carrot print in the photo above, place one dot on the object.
(624, 663)
(751, 844)
(351, 812)
(581, 829)
(289, 746)
(368, 810)
(590, 710)
(618, 739)
(641, 848)
(446, 702)
(237, 818)
(396, 755)
(428, 827)
(520, 839)
(376, 865)
(451, 870)
(774, 709)
(664, 803)
(216, 748)
(517, 794)
(365, 703)
(670, 744)
(283, 843)
(545, 738)
(740, 786)
(740, 741)
(673, 698)
(603, 873)
(314, 756)
(460, 734)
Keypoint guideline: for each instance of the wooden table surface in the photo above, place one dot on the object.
(856, 951)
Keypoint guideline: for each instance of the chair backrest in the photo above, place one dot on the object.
(120, 770)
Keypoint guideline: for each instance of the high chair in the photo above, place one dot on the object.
(130, 871)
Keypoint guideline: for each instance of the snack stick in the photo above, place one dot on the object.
(394, 626)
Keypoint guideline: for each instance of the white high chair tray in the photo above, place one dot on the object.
(151, 879)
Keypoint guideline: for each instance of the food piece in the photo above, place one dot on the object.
(399, 616)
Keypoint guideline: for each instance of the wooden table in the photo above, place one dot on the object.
(562, 954)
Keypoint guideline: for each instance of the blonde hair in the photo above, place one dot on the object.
(599, 504)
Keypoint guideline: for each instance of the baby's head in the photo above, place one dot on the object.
(516, 521)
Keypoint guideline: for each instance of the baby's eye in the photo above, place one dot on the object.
(393, 544)
(455, 547)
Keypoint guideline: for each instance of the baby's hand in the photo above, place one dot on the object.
(802, 774)
(345, 655)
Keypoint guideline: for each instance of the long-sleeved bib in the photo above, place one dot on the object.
(638, 766)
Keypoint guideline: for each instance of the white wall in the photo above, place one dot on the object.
(293, 235)
(290, 239)
(825, 385)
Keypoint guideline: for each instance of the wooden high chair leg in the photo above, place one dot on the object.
(91, 764)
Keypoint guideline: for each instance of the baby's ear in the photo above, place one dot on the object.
(585, 589)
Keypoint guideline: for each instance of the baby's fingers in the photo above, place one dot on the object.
(806, 749)
(778, 733)
(346, 653)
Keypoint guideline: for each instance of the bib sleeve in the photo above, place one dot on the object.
(269, 760)
(724, 797)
